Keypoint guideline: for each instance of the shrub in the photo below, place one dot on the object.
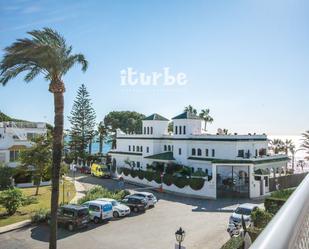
(168, 179)
(199, 172)
(185, 171)
(113, 168)
(272, 204)
(119, 170)
(121, 194)
(180, 182)
(260, 218)
(282, 194)
(11, 200)
(149, 175)
(5, 177)
(140, 174)
(133, 173)
(234, 243)
(157, 177)
(254, 232)
(126, 171)
(40, 216)
(196, 183)
(28, 200)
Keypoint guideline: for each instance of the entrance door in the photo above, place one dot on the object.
(233, 181)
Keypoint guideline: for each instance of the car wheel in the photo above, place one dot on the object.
(135, 209)
(96, 220)
(71, 227)
(116, 214)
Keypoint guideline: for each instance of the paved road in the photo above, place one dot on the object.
(204, 221)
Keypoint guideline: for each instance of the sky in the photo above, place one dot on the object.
(247, 61)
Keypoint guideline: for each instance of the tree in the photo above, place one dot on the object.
(289, 146)
(39, 157)
(47, 53)
(130, 122)
(6, 174)
(11, 200)
(277, 146)
(103, 133)
(206, 117)
(305, 144)
(190, 109)
(82, 121)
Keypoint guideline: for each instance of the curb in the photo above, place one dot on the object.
(15, 226)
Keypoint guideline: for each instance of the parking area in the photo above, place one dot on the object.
(205, 223)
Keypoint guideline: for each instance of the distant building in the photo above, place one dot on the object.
(16, 136)
(238, 165)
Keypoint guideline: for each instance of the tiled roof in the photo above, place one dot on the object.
(187, 115)
(156, 116)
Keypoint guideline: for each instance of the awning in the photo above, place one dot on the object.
(18, 147)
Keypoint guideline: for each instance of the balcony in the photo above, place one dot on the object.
(289, 228)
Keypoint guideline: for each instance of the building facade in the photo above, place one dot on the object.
(16, 136)
(237, 165)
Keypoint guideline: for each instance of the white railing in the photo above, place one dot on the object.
(289, 229)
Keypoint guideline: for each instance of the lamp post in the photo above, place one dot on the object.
(180, 236)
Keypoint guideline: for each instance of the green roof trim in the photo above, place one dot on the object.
(125, 153)
(227, 139)
(261, 172)
(168, 156)
(156, 117)
(187, 115)
(216, 160)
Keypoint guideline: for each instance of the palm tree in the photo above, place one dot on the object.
(47, 53)
(190, 109)
(289, 146)
(206, 117)
(305, 144)
(103, 132)
(277, 146)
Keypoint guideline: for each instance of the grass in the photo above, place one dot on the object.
(43, 201)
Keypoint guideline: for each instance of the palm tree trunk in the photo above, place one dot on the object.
(100, 144)
(205, 125)
(57, 154)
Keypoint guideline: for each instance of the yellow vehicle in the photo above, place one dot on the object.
(100, 170)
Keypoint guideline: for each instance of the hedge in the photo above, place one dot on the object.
(140, 174)
(157, 177)
(149, 175)
(234, 243)
(133, 173)
(260, 218)
(126, 171)
(119, 170)
(168, 179)
(273, 204)
(180, 182)
(196, 183)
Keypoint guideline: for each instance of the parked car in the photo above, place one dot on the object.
(244, 210)
(99, 210)
(136, 203)
(151, 199)
(100, 170)
(119, 210)
(85, 170)
(72, 216)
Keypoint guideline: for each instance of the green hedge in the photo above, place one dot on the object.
(260, 218)
(149, 175)
(273, 204)
(157, 177)
(119, 170)
(126, 171)
(234, 243)
(283, 194)
(196, 183)
(180, 182)
(133, 173)
(168, 179)
(140, 174)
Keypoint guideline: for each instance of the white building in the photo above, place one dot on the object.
(16, 136)
(237, 165)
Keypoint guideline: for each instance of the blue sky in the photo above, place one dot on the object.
(245, 60)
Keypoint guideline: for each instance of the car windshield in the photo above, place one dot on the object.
(115, 203)
(82, 212)
(244, 211)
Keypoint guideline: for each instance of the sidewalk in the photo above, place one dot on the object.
(80, 190)
(15, 226)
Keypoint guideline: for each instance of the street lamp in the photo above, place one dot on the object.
(180, 236)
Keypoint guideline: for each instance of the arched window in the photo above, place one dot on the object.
(137, 148)
(180, 130)
(199, 152)
(141, 148)
(147, 130)
(184, 129)
(133, 147)
(165, 148)
(151, 130)
(144, 130)
(193, 152)
(129, 147)
(176, 130)
(169, 148)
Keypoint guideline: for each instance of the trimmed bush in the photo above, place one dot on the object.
(140, 174)
(272, 204)
(260, 218)
(196, 183)
(168, 179)
(282, 194)
(133, 173)
(40, 216)
(157, 177)
(11, 200)
(119, 170)
(28, 200)
(234, 243)
(180, 182)
(149, 175)
(126, 171)
(5, 176)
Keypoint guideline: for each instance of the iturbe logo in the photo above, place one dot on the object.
(131, 77)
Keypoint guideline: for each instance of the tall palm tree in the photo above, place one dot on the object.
(190, 109)
(103, 132)
(305, 144)
(47, 53)
(206, 117)
(289, 146)
(277, 146)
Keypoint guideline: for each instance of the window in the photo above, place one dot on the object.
(137, 148)
(147, 149)
(147, 130)
(192, 169)
(213, 153)
(241, 153)
(169, 148)
(207, 152)
(184, 129)
(141, 148)
(151, 130)
(176, 130)
(133, 164)
(165, 148)
(179, 151)
(138, 164)
(14, 155)
(199, 152)
(256, 153)
(144, 130)
(94, 208)
(133, 147)
(129, 147)
(180, 130)
(68, 213)
(193, 152)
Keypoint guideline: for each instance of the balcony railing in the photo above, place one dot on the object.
(289, 228)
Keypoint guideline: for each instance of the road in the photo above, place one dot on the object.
(204, 221)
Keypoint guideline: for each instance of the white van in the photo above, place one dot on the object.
(99, 210)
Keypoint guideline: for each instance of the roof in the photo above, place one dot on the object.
(260, 161)
(157, 117)
(99, 202)
(187, 115)
(168, 156)
(261, 172)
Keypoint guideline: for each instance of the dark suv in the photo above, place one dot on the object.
(73, 216)
(135, 203)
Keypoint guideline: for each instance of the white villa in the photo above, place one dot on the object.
(16, 136)
(236, 165)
